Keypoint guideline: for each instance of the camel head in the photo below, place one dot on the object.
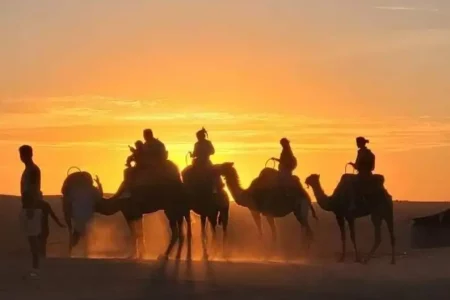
(225, 168)
(312, 180)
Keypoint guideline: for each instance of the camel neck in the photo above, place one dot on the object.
(236, 190)
(323, 200)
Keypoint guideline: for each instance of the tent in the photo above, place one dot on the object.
(431, 231)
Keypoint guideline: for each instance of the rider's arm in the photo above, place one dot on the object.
(212, 150)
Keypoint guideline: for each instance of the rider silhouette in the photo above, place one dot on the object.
(364, 164)
(287, 161)
(136, 154)
(203, 149)
(154, 151)
(365, 160)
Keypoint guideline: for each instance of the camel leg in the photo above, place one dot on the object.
(390, 226)
(273, 229)
(224, 216)
(341, 223)
(189, 235)
(137, 233)
(204, 237)
(376, 220)
(213, 223)
(301, 214)
(351, 226)
(174, 237)
(257, 218)
(180, 237)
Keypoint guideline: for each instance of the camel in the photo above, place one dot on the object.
(378, 206)
(169, 197)
(211, 206)
(263, 198)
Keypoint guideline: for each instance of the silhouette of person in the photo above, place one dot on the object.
(30, 186)
(286, 165)
(364, 164)
(203, 149)
(45, 231)
(365, 160)
(154, 149)
(136, 153)
(287, 161)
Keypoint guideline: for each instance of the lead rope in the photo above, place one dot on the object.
(274, 163)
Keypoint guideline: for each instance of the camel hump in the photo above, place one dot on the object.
(79, 190)
(161, 174)
(76, 180)
(268, 172)
(186, 172)
(377, 178)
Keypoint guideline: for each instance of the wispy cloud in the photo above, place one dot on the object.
(245, 132)
(407, 8)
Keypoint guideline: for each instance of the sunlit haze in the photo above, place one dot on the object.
(79, 81)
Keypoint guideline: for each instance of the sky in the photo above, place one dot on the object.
(79, 81)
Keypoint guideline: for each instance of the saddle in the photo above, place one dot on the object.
(271, 179)
(361, 189)
(206, 175)
(158, 174)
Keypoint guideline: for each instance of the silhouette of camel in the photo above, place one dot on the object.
(169, 197)
(263, 197)
(379, 208)
(211, 206)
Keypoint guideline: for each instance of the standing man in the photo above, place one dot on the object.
(30, 186)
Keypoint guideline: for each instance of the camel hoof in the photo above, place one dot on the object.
(393, 262)
(341, 259)
(205, 257)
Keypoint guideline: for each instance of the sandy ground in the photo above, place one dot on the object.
(246, 275)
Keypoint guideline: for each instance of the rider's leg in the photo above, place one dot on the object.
(284, 177)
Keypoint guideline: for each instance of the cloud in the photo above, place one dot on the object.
(241, 133)
(94, 102)
(406, 8)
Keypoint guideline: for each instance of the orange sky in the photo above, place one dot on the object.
(80, 80)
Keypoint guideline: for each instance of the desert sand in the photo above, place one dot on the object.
(247, 274)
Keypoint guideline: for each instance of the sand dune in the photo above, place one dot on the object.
(289, 275)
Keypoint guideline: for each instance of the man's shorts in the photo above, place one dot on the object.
(31, 227)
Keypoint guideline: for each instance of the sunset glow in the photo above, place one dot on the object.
(81, 79)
